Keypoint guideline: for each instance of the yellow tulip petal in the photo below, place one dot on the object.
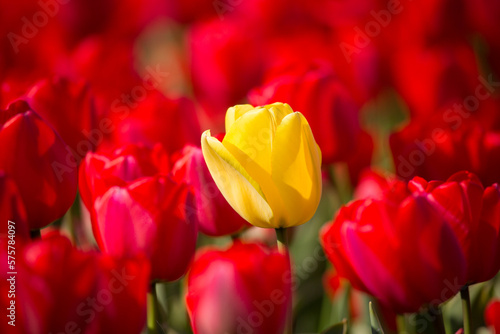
(250, 142)
(296, 168)
(236, 112)
(235, 184)
(279, 111)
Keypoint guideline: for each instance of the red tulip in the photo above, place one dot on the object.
(222, 73)
(436, 149)
(474, 215)
(244, 289)
(372, 241)
(36, 159)
(12, 210)
(432, 79)
(137, 208)
(93, 294)
(171, 122)
(215, 216)
(492, 315)
(328, 107)
(99, 172)
(69, 108)
(152, 215)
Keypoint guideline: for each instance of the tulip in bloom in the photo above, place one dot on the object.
(32, 154)
(268, 166)
(239, 290)
(398, 248)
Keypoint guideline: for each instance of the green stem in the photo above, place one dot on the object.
(153, 311)
(401, 323)
(282, 240)
(466, 309)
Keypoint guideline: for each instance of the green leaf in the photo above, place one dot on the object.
(374, 322)
(340, 328)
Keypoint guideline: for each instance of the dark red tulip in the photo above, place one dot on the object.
(69, 108)
(413, 231)
(93, 294)
(244, 289)
(37, 160)
(215, 216)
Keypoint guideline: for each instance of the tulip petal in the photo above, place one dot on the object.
(249, 141)
(239, 189)
(236, 112)
(279, 111)
(296, 168)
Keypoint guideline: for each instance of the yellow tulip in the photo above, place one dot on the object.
(268, 166)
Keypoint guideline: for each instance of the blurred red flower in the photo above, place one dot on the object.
(226, 62)
(39, 162)
(245, 288)
(492, 315)
(93, 293)
(431, 79)
(155, 118)
(68, 107)
(437, 148)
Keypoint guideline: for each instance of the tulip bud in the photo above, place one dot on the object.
(268, 166)
(36, 159)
